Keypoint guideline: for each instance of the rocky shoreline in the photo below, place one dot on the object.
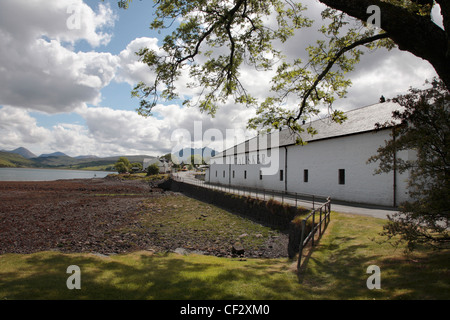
(85, 215)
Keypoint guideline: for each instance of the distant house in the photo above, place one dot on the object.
(135, 169)
(332, 163)
(163, 164)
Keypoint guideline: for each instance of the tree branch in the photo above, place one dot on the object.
(330, 65)
(414, 33)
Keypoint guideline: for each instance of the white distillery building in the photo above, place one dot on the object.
(332, 163)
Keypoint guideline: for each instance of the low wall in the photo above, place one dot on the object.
(269, 213)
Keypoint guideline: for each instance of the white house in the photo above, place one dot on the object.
(332, 163)
(163, 164)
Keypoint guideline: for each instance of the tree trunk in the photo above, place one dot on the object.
(411, 32)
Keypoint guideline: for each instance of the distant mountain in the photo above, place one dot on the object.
(24, 152)
(22, 157)
(131, 158)
(87, 157)
(54, 154)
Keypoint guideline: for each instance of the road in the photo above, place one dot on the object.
(306, 201)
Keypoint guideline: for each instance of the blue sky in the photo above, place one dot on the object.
(128, 25)
(69, 90)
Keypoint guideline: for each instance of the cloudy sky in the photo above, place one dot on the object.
(67, 68)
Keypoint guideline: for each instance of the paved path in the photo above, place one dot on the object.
(304, 201)
(366, 210)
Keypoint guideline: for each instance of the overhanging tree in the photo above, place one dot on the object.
(422, 127)
(215, 38)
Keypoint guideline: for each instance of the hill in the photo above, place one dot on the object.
(86, 157)
(54, 161)
(62, 161)
(54, 154)
(12, 160)
(24, 152)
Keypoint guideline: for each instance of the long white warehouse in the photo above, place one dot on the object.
(332, 163)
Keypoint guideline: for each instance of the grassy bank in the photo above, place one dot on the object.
(335, 269)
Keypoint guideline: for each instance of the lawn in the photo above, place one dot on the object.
(335, 269)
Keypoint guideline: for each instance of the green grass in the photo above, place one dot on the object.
(139, 176)
(106, 167)
(335, 269)
(142, 275)
(8, 159)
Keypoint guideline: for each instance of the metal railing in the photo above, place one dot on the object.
(322, 212)
(292, 198)
(324, 216)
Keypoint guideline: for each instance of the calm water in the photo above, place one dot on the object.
(25, 174)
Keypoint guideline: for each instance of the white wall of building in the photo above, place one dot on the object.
(322, 159)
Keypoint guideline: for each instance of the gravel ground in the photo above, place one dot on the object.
(90, 215)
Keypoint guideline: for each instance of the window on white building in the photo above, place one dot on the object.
(281, 175)
(305, 175)
(341, 176)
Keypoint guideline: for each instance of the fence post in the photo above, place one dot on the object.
(302, 238)
(320, 222)
(313, 228)
(329, 209)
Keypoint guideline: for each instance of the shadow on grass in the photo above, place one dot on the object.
(341, 275)
(333, 271)
(142, 276)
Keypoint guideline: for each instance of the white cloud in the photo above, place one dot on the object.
(28, 19)
(18, 128)
(124, 130)
(132, 70)
(385, 73)
(41, 71)
(38, 70)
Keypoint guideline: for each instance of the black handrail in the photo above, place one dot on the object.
(325, 210)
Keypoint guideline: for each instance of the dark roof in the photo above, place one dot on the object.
(358, 121)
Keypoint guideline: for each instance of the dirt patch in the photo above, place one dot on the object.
(178, 221)
(102, 216)
(68, 215)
